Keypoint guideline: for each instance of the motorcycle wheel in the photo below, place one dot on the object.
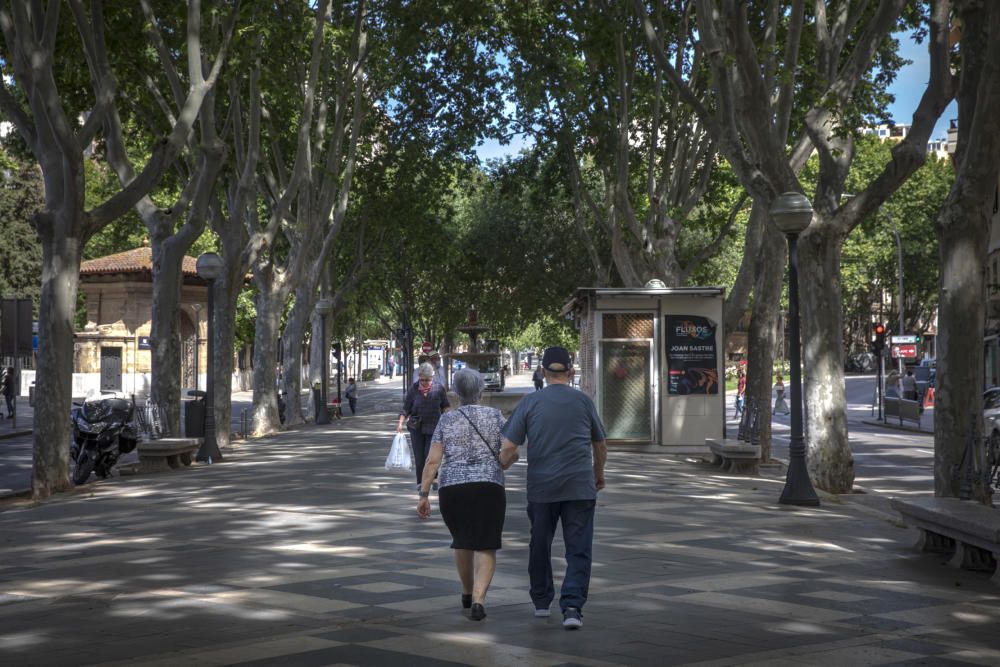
(84, 466)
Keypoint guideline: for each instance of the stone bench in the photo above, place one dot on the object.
(735, 455)
(167, 453)
(969, 528)
(902, 409)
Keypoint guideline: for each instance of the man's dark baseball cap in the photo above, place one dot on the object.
(556, 359)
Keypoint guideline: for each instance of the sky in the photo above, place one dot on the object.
(907, 88)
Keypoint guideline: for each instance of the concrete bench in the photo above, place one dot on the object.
(167, 453)
(735, 455)
(902, 409)
(969, 528)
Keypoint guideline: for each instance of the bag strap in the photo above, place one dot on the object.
(473, 425)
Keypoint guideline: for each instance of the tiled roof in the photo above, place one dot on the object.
(139, 260)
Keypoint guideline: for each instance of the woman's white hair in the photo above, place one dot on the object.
(468, 385)
(425, 370)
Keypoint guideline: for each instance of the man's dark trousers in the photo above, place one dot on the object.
(577, 518)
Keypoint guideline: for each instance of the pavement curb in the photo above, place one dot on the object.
(14, 434)
(895, 427)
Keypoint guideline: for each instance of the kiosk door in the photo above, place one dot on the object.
(626, 390)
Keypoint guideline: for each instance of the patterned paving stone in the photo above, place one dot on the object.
(300, 549)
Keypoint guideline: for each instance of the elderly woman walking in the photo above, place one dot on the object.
(422, 408)
(465, 453)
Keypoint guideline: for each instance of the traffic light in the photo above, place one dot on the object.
(336, 350)
(879, 343)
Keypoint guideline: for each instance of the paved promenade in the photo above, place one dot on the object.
(300, 549)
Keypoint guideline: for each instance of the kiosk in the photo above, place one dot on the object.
(651, 358)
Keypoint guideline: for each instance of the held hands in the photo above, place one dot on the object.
(424, 508)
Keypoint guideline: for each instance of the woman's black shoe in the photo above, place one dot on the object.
(478, 612)
(466, 600)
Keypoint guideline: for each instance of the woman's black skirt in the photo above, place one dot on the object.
(474, 514)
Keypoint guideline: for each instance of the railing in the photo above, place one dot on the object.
(151, 422)
(749, 429)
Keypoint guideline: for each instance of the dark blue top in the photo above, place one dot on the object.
(560, 424)
(428, 408)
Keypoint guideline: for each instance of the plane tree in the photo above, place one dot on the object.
(59, 135)
(788, 79)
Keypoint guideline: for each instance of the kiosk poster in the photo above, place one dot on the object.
(691, 355)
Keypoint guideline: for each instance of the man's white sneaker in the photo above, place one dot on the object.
(542, 612)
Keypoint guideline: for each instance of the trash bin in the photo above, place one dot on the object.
(194, 415)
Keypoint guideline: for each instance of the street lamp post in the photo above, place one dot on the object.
(791, 213)
(196, 307)
(209, 268)
(323, 308)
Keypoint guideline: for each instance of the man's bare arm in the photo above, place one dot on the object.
(600, 458)
(508, 454)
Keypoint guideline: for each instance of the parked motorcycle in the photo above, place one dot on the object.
(103, 430)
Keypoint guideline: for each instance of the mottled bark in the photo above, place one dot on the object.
(961, 317)
(963, 234)
(763, 333)
(316, 350)
(227, 290)
(829, 459)
(265, 361)
(164, 331)
(61, 256)
(291, 342)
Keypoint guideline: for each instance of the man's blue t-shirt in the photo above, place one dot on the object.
(560, 424)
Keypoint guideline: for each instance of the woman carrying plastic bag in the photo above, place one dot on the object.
(400, 457)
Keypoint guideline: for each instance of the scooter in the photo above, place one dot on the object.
(103, 430)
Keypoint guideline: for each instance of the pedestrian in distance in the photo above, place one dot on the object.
(391, 364)
(892, 385)
(465, 455)
(438, 370)
(741, 392)
(780, 406)
(7, 388)
(909, 386)
(538, 377)
(423, 405)
(421, 360)
(351, 394)
(565, 472)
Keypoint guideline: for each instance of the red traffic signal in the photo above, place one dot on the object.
(879, 329)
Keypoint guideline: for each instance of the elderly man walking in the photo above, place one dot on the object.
(565, 472)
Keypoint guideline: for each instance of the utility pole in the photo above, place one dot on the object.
(899, 270)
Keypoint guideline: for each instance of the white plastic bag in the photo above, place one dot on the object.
(400, 457)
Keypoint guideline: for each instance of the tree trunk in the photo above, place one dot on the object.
(317, 349)
(61, 255)
(763, 334)
(265, 359)
(291, 342)
(961, 321)
(227, 290)
(164, 331)
(831, 465)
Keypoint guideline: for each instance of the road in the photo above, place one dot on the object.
(888, 461)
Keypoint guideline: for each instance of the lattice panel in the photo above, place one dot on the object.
(625, 390)
(627, 325)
